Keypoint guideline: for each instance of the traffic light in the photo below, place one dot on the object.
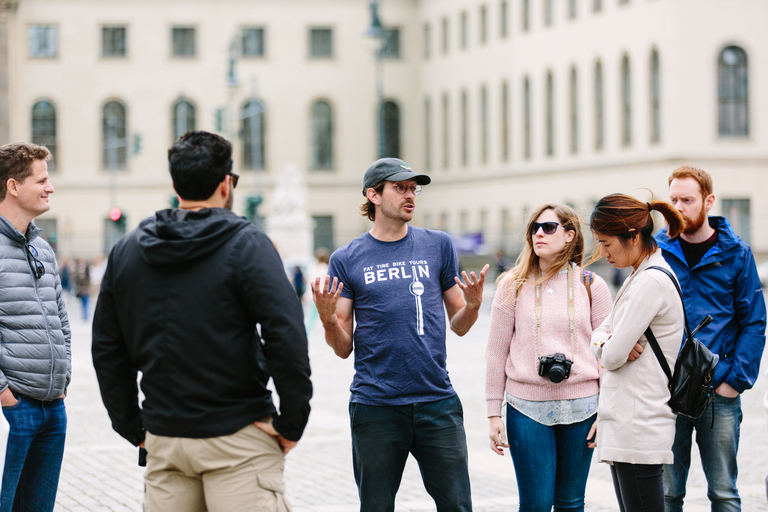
(118, 219)
(252, 207)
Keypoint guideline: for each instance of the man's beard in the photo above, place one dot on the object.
(692, 226)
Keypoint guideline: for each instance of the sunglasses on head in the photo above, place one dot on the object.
(548, 227)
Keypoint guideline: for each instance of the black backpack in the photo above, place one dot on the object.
(690, 387)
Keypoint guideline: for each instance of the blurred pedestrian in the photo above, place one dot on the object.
(83, 285)
(180, 301)
(319, 269)
(635, 425)
(539, 363)
(718, 275)
(36, 362)
(298, 281)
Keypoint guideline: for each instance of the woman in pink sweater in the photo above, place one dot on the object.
(538, 362)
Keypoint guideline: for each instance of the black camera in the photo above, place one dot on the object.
(556, 366)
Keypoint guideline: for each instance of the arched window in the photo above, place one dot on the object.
(44, 128)
(655, 97)
(599, 118)
(733, 92)
(322, 136)
(526, 118)
(391, 130)
(626, 104)
(574, 111)
(253, 134)
(114, 135)
(550, 115)
(183, 118)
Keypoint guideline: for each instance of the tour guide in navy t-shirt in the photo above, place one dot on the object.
(395, 279)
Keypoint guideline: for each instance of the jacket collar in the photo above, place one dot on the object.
(727, 240)
(9, 230)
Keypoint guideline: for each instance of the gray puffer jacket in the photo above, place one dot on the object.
(35, 351)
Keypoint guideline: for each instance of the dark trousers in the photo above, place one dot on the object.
(382, 438)
(639, 487)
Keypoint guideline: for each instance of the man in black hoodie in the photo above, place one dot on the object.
(180, 302)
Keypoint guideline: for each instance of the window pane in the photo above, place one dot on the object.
(484, 124)
(733, 92)
(253, 42)
(427, 40)
(391, 130)
(44, 129)
(43, 41)
(599, 105)
(503, 15)
(183, 118)
(526, 118)
(427, 134)
(550, 116)
(574, 112)
(626, 103)
(505, 121)
(321, 43)
(322, 136)
(391, 48)
(655, 98)
(114, 136)
(113, 42)
(183, 42)
(252, 130)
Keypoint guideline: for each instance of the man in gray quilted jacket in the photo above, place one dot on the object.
(35, 355)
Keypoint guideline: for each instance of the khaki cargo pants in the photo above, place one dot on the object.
(239, 472)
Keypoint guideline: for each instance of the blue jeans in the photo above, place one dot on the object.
(551, 462)
(34, 454)
(382, 438)
(717, 446)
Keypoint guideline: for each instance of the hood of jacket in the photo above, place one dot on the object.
(176, 235)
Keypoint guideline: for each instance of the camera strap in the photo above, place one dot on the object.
(571, 311)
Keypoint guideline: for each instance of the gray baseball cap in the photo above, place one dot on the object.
(391, 169)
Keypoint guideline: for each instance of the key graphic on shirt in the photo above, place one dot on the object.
(417, 289)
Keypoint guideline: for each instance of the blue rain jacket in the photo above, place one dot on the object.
(724, 284)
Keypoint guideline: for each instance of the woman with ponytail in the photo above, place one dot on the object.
(547, 376)
(635, 425)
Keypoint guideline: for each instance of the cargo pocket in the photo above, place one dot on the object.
(272, 493)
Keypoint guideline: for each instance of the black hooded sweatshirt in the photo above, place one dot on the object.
(180, 302)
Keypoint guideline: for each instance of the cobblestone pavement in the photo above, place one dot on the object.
(100, 471)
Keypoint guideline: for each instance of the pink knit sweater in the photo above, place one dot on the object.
(511, 359)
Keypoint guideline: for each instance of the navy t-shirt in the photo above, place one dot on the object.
(399, 338)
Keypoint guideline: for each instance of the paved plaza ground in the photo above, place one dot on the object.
(100, 471)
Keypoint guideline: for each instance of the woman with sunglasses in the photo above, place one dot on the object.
(539, 363)
(635, 425)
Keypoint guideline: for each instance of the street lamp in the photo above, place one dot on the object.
(376, 34)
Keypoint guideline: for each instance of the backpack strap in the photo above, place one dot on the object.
(587, 277)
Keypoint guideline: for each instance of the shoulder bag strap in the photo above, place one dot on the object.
(586, 278)
(649, 333)
(659, 354)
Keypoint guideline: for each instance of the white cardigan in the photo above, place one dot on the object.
(634, 422)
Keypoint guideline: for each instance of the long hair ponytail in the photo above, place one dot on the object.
(625, 217)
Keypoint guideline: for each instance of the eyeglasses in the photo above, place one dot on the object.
(35, 264)
(403, 188)
(548, 227)
(233, 178)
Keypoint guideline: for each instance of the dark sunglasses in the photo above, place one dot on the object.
(35, 264)
(548, 227)
(233, 178)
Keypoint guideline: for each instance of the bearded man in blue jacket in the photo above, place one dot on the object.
(718, 276)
